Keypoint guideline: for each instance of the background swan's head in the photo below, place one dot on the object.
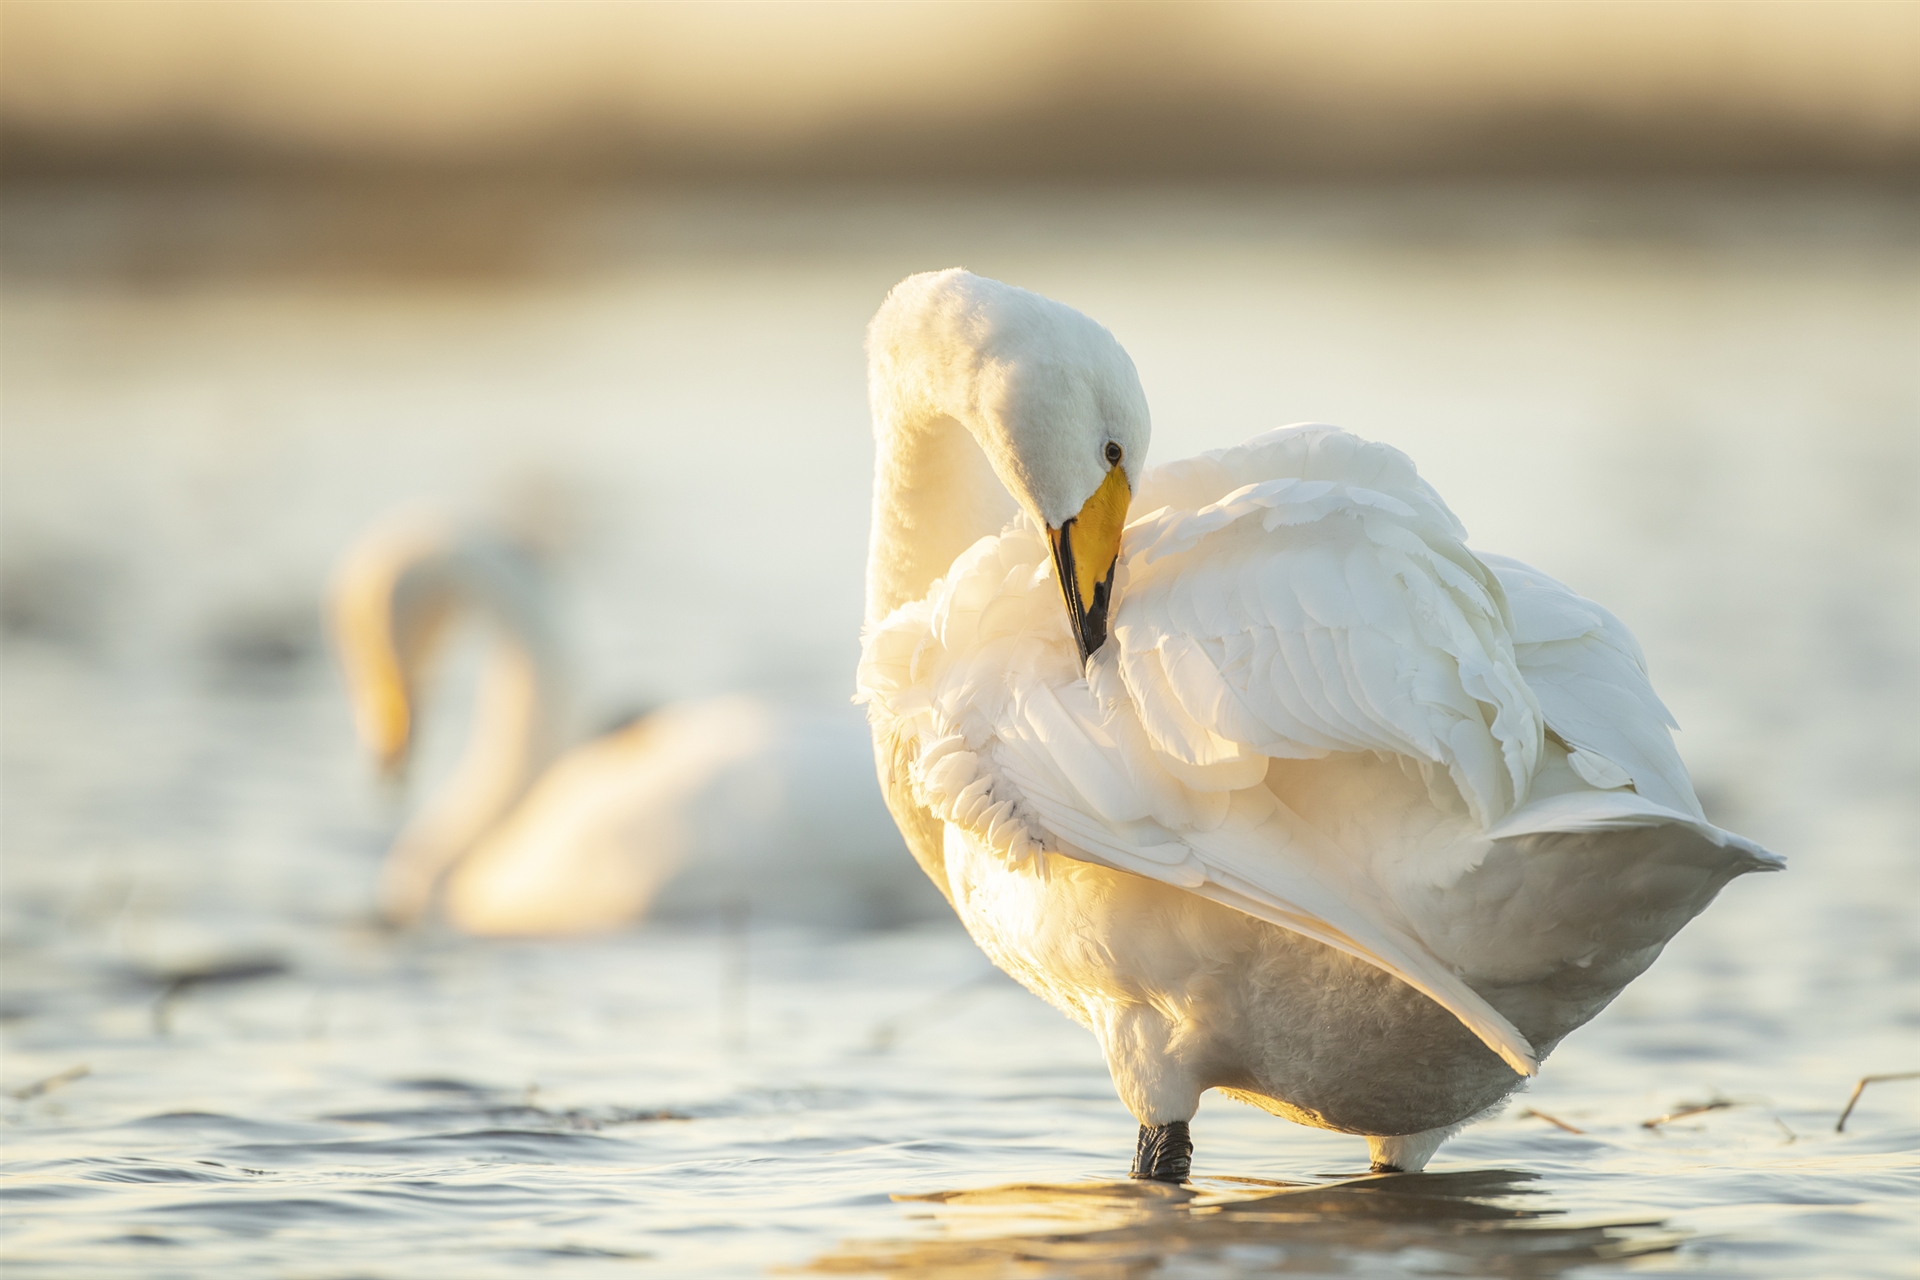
(388, 609)
(391, 604)
(1050, 396)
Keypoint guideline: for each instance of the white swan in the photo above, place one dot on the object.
(1296, 797)
(698, 808)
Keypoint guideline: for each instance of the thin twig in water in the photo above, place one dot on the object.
(1791, 1135)
(1555, 1121)
(1719, 1104)
(51, 1083)
(1858, 1089)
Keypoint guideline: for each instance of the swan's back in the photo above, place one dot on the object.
(704, 810)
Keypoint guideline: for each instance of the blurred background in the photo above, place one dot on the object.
(1637, 285)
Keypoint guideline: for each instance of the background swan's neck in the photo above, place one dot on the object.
(517, 730)
(934, 495)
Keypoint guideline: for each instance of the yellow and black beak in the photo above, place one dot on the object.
(1085, 549)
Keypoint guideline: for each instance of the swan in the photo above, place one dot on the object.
(701, 807)
(1245, 761)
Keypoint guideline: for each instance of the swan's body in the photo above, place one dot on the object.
(699, 808)
(1342, 819)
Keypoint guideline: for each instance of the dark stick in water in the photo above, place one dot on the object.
(1858, 1089)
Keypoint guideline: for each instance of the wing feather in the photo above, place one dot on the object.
(1590, 677)
(1277, 869)
(1417, 659)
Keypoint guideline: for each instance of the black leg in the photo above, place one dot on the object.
(1377, 1167)
(1165, 1153)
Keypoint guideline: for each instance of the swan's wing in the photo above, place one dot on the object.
(608, 824)
(1327, 603)
(1088, 777)
(1591, 680)
(1167, 781)
(1303, 596)
(585, 851)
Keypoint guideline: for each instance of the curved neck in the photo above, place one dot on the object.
(515, 733)
(934, 495)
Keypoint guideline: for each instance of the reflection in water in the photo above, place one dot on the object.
(1446, 1223)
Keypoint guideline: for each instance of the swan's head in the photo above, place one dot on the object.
(390, 604)
(394, 600)
(1053, 401)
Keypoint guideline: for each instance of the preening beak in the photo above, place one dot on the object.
(1085, 549)
(383, 717)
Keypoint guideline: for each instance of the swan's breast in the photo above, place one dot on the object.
(1231, 1002)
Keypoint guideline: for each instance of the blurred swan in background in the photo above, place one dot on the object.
(700, 808)
(1296, 797)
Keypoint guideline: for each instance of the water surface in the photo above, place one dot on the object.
(1699, 408)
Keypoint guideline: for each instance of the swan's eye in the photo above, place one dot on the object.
(1113, 454)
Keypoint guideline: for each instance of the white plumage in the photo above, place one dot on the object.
(700, 808)
(1327, 759)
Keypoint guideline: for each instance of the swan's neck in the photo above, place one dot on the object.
(934, 495)
(516, 732)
